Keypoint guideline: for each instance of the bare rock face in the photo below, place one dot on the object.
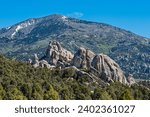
(100, 65)
(35, 61)
(82, 58)
(56, 56)
(29, 61)
(40, 63)
(44, 63)
(107, 69)
(57, 53)
(131, 80)
(97, 67)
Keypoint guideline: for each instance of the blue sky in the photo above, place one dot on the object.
(132, 15)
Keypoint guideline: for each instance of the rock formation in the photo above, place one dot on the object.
(35, 61)
(57, 54)
(131, 80)
(82, 58)
(86, 62)
(108, 69)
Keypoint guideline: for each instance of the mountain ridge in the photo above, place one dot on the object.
(131, 51)
(60, 15)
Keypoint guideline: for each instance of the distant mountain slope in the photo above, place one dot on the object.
(131, 51)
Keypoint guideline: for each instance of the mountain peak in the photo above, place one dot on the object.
(54, 16)
(32, 35)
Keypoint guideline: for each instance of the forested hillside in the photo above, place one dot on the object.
(20, 80)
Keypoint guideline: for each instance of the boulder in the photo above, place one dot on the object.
(82, 58)
(107, 69)
(131, 80)
(35, 61)
(55, 52)
(29, 61)
(44, 63)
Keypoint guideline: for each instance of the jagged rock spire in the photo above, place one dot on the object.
(82, 58)
(55, 52)
(98, 66)
(35, 61)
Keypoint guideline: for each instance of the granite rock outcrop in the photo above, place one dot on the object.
(86, 62)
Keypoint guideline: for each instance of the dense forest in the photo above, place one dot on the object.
(20, 81)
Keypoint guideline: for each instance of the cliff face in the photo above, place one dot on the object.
(108, 69)
(84, 61)
(55, 53)
(82, 58)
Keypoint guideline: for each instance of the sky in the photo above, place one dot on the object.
(132, 15)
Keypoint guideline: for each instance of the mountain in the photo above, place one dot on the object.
(130, 51)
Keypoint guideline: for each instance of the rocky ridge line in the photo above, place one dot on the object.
(84, 61)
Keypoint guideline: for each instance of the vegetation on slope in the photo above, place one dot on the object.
(20, 81)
